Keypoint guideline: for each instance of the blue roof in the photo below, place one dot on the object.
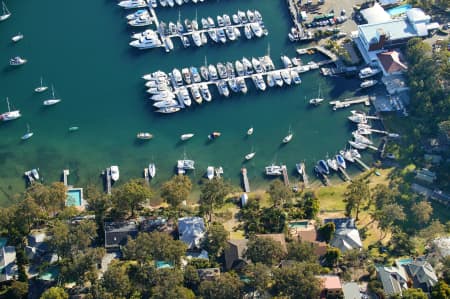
(395, 29)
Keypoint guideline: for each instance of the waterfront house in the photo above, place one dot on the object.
(331, 286)
(346, 237)
(422, 274)
(117, 233)
(305, 231)
(392, 63)
(8, 266)
(235, 254)
(191, 230)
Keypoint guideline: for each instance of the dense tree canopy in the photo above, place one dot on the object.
(216, 239)
(176, 190)
(279, 193)
(422, 211)
(301, 251)
(213, 194)
(357, 194)
(55, 293)
(264, 250)
(227, 286)
(128, 197)
(259, 276)
(297, 281)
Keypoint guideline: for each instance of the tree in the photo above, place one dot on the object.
(98, 202)
(357, 194)
(154, 246)
(332, 256)
(227, 286)
(176, 190)
(414, 294)
(216, 239)
(279, 193)
(116, 281)
(434, 229)
(272, 220)
(264, 250)
(130, 196)
(387, 215)
(422, 211)
(55, 293)
(326, 232)
(440, 291)
(259, 276)
(213, 194)
(167, 283)
(446, 269)
(297, 281)
(50, 199)
(301, 252)
(401, 243)
(383, 195)
(18, 290)
(191, 278)
(310, 205)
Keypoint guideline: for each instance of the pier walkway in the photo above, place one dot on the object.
(363, 165)
(285, 175)
(245, 179)
(108, 180)
(345, 174)
(146, 176)
(350, 101)
(304, 175)
(66, 173)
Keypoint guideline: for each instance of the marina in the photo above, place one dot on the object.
(350, 101)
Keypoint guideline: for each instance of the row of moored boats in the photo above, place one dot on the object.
(129, 4)
(176, 90)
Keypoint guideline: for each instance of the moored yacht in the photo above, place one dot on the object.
(368, 72)
(277, 78)
(183, 96)
(223, 88)
(16, 61)
(129, 4)
(186, 136)
(239, 68)
(137, 14)
(368, 83)
(196, 93)
(242, 85)
(41, 88)
(213, 72)
(286, 61)
(206, 94)
(140, 21)
(10, 115)
(210, 172)
(286, 77)
(114, 173)
(150, 40)
(53, 100)
(204, 72)
(257, 65)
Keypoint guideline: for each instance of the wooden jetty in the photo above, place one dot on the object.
(350, 101)
(345, 174)
(304, 175)
(379, 131)
(146, 176)
(108, 180)
(245, 179)
(363, 165)
(285, 175)
(66, 173)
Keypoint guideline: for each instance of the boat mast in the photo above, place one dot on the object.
(7, 102)
(53, 92)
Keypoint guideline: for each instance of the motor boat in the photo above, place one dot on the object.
(165, 104)
(147, 41)
(270, 80)
(206, 94)
(186, 74)
(288, 138)
(368, 83)
(17, 37)
(300, 168)
(368, 72)
(213, 72)
(235, 19)
(221, 35)
(295, 77)
(277, 78)
(183, 96)
(16, 61)
(230, 70)
(232, 83)
(210, 172)
(250, 131)
(242, 17)
(259, 81)
(256, 29)
(130, 4)
(341, 161)
(223, 88)
(258, 16)
(226, 20)
(204, 38)
(358, 118)
(358, 145)
(220, 22)
(257, 65)
(163, 96)
(114, 173)
(239, 68)
(197, 39)
(242, 85)
(213, 34)
(273, 170)
(186, 136)
(144, 136)
(195, 75)
(332, 163)
(214, 135)
(143, 20)
(211, 22)
(205, 24)
(248, 67)
(204, 72)
(196, 94)
(286, 61)
(323, 167)
(176, 76)
(137, 14)
(152, 170)
(168, 110)
(286, 77)
(222, 70)
(250, 16)
(248, 32)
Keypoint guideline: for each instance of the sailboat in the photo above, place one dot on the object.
(288, 137)
(250, 131)
(28, 135)
(52, 100)
(41, 88)
(318, 100)
(250, 155)
(6, 14)
(17, 37)
(10, 115)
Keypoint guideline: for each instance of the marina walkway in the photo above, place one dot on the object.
(66, 173)
(363, 165)
(350, 101)
(108, 180)
(245, 179)
(285, 175)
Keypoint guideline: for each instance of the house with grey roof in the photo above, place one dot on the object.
(235, 254)
(346, 237)
(394, 279)
(8, 266)
(192, 231)
(117, 233)
(422, 274)
(351, 290)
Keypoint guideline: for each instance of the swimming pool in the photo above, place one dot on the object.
(74, 197)
(399, 9)
(404, 261)
(298, 224)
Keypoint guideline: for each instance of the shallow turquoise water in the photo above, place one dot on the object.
(82, 48)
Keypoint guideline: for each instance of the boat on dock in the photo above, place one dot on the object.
(140, 21)
(213, 72)
(223, 88)
(361, 139)
(130, 4)
(358, 145)
(323, 167)
(273, 170)
(148, 40)
(295, 77)
(368, 83)
(242, 85)
(210, 172)
(115, 173)
(368, 72)
(286, 77)
(137, 14)
(286, 61)
(206, 94)
(183, 96)
(195, 91)
(347, 154)
(332, 163)
(168, 110)
(341, 161)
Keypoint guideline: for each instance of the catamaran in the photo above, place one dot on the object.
(10, 115)
(52, 100)
(41, 88)
(6, 14)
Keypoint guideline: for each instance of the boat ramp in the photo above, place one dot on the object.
(245, 179)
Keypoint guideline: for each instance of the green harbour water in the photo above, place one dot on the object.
(81, 47)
